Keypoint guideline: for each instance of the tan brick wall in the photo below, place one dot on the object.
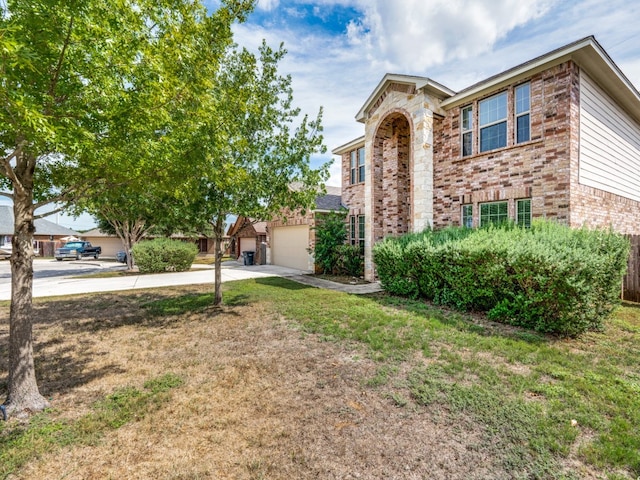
(538, 169)
(352, 195)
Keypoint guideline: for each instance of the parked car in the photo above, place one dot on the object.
(76, 250)
(121, 256)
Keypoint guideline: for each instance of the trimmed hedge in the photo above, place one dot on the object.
(549, 278)
(164, 255)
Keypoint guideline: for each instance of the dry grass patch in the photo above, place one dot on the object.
(260, 399)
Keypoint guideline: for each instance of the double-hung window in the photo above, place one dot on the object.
(467, 216)
(356, 231)
(493, 212)
(523, 112)
(523, 212)
(361, 232)
(361, 164)
(493, 122)
(467, 131)
(353, 168)
(352, 230)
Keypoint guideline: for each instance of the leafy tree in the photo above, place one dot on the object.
(87, 88)
(244, 155)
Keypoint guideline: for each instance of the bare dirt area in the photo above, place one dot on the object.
(260, 399)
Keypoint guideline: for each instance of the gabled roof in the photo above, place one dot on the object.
(42, 226)
(259, 226)
(587, 53)
(420, 83)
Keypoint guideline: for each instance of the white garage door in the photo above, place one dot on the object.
(289, 247)
(247, 244)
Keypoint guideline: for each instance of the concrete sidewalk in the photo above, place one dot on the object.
(200, 274)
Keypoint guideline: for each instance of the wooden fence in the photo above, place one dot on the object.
(631, 282)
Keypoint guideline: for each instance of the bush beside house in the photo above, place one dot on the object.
(332, 255)
(549, 278)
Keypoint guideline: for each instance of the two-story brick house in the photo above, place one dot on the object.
(556, 137)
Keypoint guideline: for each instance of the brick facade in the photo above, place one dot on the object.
(416, 175)
(538, 169)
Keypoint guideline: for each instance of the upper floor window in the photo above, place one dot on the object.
(353, 167)
(356, 166)
(522, 110)
(361, 164)
(493, 122)
(467, 131)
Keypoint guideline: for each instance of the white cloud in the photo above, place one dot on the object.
(267, 5)
(419, 34)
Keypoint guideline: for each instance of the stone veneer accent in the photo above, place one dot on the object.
(398, 189)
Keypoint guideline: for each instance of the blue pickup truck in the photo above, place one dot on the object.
(76, 250)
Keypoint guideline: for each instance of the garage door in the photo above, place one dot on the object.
(289, 247)
(247, 244)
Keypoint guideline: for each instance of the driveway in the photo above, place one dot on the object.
(53, 278)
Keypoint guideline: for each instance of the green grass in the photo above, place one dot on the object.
(20, 443)
(537, 397)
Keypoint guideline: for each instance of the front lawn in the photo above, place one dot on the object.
(288, 381)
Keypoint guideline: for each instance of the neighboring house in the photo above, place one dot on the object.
(111, 243)
(556, 137)
(47, 234)
(248, 235)
(290, 238)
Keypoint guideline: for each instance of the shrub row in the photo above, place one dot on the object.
(549, 278)
(164, 255)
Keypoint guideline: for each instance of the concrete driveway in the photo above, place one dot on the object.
(48, 284)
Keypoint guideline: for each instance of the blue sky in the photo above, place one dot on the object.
(339, 50)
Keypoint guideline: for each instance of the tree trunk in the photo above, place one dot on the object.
(23, 397)
(218, 232)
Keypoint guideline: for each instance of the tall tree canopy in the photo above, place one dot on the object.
(247, 151)
(88, 89)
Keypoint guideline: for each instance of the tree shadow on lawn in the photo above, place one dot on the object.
(630, 304)
(472, 322)
(282, 282)
(63, 364)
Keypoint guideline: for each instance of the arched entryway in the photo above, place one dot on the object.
(392, 187)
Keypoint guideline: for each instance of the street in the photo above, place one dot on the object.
(48, 267)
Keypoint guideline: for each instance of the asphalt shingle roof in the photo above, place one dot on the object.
(43, 227)
(329, 202)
